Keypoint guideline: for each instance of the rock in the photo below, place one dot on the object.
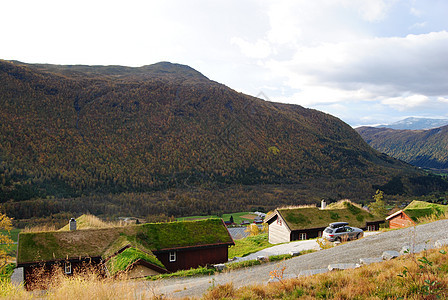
(390, 254)
(368, 261)
(294, 253)
(406, 249)
(333, 267)
(441, 243)
(262, 258)
(219, 267)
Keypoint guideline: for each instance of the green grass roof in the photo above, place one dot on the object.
(121, 261)
(419, 209)
(59, 245)
(313, 217)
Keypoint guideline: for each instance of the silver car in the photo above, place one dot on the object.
(340, 231)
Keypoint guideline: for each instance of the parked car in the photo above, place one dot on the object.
(340, 231)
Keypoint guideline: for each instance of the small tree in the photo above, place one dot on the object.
(5, 224)
(379, 206)
(253, 230)
(231, 220)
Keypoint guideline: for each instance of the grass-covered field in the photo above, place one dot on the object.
(237, 217)
(13, 234)
(249, 245)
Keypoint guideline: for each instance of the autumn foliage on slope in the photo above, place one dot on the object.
(72, 131)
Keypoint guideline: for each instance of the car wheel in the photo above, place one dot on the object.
(338, 240)
(359, 236)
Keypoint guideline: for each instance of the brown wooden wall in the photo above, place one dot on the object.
(38, 276)
(310, 233)
(400, 221)
(186, 259)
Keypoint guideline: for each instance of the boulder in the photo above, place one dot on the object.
(262, 258)
(406, 249)
(219, 267)
(294, 253)
(390, 254)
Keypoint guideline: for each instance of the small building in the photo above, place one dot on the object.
(301, 223)
(411, 214)
(136, 250)
(400, 219)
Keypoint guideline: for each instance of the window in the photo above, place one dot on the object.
(319, 234)
(279, 221)
(371, 228)
(302, 236)
(172, 256)
(68, 268)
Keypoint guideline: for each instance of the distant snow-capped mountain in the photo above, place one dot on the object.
(416, 124)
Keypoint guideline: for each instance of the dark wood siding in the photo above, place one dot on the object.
(37, 276)
(375, 224)
(310, 233)
(193, 258)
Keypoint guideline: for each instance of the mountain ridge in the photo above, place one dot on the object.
(74, 133)
(414, 123)
(422, 148)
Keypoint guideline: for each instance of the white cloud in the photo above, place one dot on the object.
(413, 64)
(259, 49)
(407, 103)
(374, 10)
(415, 12)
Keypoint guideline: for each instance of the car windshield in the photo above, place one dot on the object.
(328, 230)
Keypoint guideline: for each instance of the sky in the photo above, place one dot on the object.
(366, 62)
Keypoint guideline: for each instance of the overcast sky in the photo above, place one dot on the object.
(364, 61)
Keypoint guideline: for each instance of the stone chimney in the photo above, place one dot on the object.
(72, 224)
(323, 204)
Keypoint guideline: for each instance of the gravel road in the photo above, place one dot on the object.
(371, 246)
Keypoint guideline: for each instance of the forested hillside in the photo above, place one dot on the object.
(422, 148)
(74, 132)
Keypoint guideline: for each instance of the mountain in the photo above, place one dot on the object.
(165, 139)
(422, 148)
(417, 124)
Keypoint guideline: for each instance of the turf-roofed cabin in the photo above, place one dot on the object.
(411, 214)
(138, 250)
(301, 223)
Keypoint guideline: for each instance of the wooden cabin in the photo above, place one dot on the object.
(411, 214)
(301, 223)
(137, 250)
(400, 219)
